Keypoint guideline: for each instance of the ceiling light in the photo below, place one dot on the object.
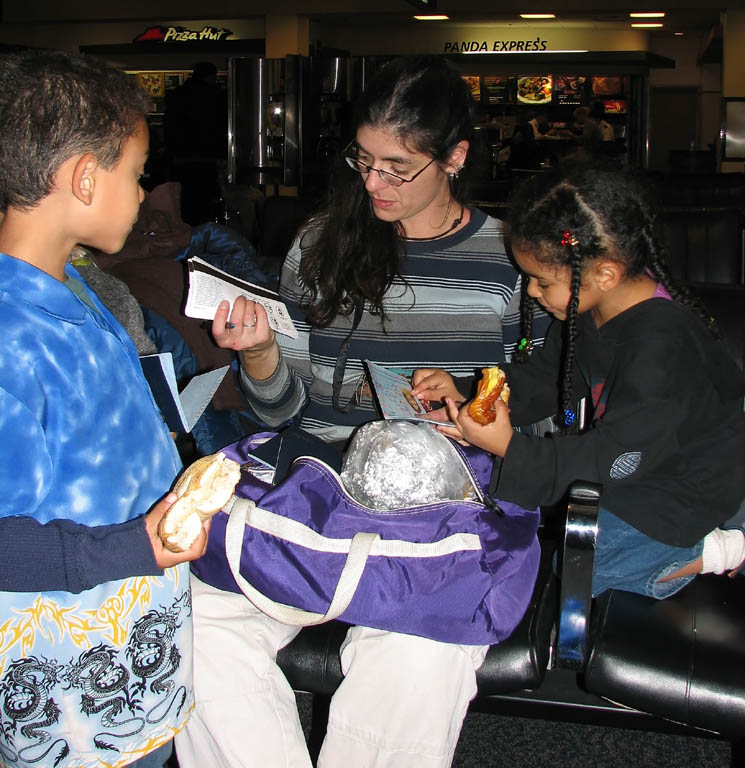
(678, 34)
(654, 15)
(537, 15)
(432, 18)
(648, 25)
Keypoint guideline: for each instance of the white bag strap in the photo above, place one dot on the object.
(359, 549)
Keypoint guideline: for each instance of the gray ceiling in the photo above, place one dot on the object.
(686, 16)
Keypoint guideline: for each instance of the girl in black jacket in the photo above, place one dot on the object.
(663, 403)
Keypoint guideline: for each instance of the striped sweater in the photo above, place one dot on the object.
(455, 306)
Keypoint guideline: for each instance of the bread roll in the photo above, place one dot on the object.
(203, 489)
(492, 386)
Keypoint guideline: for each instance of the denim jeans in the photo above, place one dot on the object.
(155, 759)
(627, 559)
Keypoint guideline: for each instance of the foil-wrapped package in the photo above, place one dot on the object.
(396, 464)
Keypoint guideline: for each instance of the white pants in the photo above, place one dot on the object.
(401, 703)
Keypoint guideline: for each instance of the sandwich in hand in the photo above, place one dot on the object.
(492, 386)
(203, 489)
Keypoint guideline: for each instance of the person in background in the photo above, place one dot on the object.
(665, 428)
(586, 134)
(397, 269)
(541, 125)
(94, 609)
(597, 113)
(196, 139)
(116, 297)
(589, 131)
(525, 153)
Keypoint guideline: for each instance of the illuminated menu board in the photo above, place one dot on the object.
(607, 86)
(570, 89)
(498, 89)
(550, 90)
(536, 89)
(474, 85)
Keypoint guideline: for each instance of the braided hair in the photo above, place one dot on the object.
(577, 213)
(527, 305)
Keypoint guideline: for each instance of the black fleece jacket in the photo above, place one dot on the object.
(666, 435)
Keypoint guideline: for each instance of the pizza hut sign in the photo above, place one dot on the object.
(182, 35)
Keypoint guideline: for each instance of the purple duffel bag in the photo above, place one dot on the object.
(305, 552)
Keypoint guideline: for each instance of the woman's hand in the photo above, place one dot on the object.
(164, 558)
(435, 385)
(247, 331)
(247, 328)
(493, 437)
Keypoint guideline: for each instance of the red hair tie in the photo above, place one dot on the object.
(569, 239)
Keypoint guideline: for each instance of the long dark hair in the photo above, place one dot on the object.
(348, 254)
(582, 211)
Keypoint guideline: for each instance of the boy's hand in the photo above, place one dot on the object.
(434, 384)
(164, 558)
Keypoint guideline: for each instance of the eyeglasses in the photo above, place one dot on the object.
(386, 176)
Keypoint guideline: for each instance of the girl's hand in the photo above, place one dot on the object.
(449, 412)
(434, 384)
(246, 330)
(493, 437)
(164, 558)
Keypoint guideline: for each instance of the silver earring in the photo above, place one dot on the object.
(454, 175)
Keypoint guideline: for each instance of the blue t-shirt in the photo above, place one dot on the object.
(82, 441)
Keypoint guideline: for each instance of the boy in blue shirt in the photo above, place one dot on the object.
(95, 614)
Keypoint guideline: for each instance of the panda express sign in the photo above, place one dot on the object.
(495, 46)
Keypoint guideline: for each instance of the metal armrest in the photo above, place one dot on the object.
(576, 566)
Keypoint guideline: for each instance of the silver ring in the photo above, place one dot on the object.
(249, 325)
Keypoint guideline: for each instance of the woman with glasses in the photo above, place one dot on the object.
(396, 269)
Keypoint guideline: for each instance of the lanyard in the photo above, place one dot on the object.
(341, 362)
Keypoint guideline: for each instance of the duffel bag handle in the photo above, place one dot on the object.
(359, 549)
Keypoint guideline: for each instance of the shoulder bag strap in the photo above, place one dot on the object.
(359, 549)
